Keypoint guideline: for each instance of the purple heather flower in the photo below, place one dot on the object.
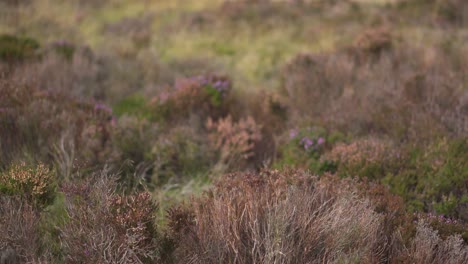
(320, 141)
(293, 133)
(62, 43)
(59, 42)
(163, 96)
(307, 143)
(101, 106)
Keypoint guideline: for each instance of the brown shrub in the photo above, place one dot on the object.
(428, 247)
(179, 154)
(451, 11)
(34, 183)
(19, 236)
(273, 217)
(34, 121)
(203, 96)
(235, 141)
(293, 217)
(365, 150)
(363, 157)
(312, 82)
(445, 226)
(374, 41)
(406, 93)
(64, 68)
(106, 227)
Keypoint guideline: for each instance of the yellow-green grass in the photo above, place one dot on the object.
(250, 53)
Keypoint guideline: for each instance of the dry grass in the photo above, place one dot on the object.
(106, 227)
(273, 217)
(428, 247)
(19, 236)
(293, 217)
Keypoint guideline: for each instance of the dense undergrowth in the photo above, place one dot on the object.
(234, 132)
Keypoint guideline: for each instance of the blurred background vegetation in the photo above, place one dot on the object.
(167, 104)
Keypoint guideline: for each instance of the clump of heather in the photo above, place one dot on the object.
(445, 226)
(270, 216)
(55, 127)
(20, 238)
(310, 144)
(433, 178)
(292, 216)
(363, 158)
(63, 48)
(204, 96)
(450, 12)
(219, 83)
(374, 41)
(14, 49)
(380, 95)
(235, 141)
(304, 146)
(178, 154)
(427, 246)
(105, 226)
(363, 107)
(35, 183)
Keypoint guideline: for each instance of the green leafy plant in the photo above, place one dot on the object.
(14, 48)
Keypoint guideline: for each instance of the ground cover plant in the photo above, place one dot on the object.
(252, 131)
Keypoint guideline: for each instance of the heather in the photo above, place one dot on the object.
(252, 131)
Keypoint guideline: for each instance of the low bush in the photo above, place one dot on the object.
(451, 11)
(67, 69)
(202, 96)
(374, 41)
(15, 48)
(304, 147)
(105, 226)
(434, 178)
(292, 217)
(311, 82)
(35, 124)
(430, 178)
(235, 141)
(34, 183)
(20, 240)
(397, 93)
(132, 141)
(179, 154)
(445, 226)
(269, 217)
(367, 158)
(427, 246)
(63, 48)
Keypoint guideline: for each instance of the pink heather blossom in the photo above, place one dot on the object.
(293, 133)
(320, 141)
